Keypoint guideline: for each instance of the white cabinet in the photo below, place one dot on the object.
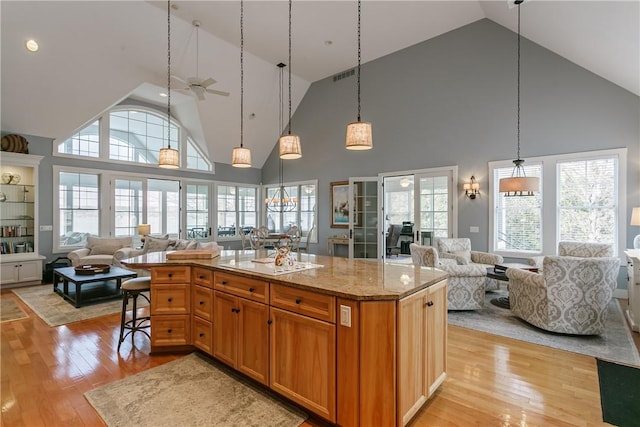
(23, 272)
(633, 287)
(19, 259)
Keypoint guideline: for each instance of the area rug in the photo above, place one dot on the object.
(191, 391)
(9, 310)
(56, 311)
(615, 344)
(619, 393)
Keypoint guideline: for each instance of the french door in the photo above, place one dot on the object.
(417, 207)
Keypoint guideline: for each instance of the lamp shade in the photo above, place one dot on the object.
(241, 157)
(359, 136)
(169, 158)
(290, 147)
(519, 184)
(144, 229)
(635, 216)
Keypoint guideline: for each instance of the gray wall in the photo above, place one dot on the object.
(452, 101)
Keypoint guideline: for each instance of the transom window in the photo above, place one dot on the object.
(136, 135)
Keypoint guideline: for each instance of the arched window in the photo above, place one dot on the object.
(136, 135)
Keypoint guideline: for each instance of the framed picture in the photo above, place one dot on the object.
(340, 204)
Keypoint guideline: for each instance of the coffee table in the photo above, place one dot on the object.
(91, 287)
(501, 275)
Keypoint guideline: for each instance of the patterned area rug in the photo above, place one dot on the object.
(9, 310)
(56, 311)
(191, 391)
(615, 344)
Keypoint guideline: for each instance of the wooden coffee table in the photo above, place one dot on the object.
(501, 275)
(91, 287)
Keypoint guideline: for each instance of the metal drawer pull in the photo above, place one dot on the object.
(252, 290)
(170, 275)
(169, 299)
(201, 302)
(224, 282)
(201, 334)
(169, 331)
(200, 277)
(429, 303)
(298, 300)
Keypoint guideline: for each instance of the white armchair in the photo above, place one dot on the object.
(465, 284)
(571, 295)
(577, 249)
(459, 249)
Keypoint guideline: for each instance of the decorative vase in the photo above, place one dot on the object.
(284, 259)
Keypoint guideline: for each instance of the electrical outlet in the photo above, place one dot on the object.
(46, 228)
(345, 315)
(474, 229)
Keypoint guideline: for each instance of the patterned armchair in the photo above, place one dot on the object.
(577, 249)
(465, 284)
(570, 296)
(460, 250)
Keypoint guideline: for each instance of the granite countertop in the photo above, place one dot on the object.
(343, 277)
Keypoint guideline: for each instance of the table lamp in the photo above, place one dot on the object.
(144, 230)
(635, 220)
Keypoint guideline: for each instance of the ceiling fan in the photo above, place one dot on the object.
(196, 85)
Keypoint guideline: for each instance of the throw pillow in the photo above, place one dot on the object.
(153, 244)
(104, 249)
(192, 245)
(463, 257)
(179, 244)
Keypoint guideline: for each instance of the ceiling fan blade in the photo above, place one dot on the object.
(180, 80)
(199, 92)
(217, 92)
(207, 82)
(194, 81)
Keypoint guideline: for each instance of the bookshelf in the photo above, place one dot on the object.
(19, 259)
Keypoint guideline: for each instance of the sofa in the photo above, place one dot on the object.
(101, 250)
(164, 243)
(459, 249)
(571, 295)
(465, 284)
(577, 249)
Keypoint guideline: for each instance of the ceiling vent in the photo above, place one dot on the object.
(344, 75)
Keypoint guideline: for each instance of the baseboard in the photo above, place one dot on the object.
(621, 294)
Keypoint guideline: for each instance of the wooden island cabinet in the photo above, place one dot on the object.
(356, 342)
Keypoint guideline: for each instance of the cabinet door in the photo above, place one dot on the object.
(303, 353)
(225, 328)
(30, 271)
(412, 354)
(436, 335)
(9, 272)
(253, 340)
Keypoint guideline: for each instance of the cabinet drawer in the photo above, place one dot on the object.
(171, 274)
(170, 299)
(202, 335)
(201, 299)
(253, 289)
(170, 330)
(202, 276)
(312, 304)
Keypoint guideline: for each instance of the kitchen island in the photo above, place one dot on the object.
(357, 342)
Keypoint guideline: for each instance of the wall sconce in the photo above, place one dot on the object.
(471, 188)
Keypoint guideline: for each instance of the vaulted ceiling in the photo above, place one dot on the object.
(93, 54)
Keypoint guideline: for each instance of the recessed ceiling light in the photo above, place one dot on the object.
(162, 94)
(328, 42)
(31, 45)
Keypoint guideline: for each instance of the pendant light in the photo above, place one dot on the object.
(241, 156)
(169, 158)
(281, 201)
(290, 144)
(359, 135)
(519, 184)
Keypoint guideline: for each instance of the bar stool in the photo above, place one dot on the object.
(133, 288)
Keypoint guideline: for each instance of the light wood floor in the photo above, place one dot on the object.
(492, 381)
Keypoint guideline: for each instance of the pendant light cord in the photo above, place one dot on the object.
(290, 3)
(518, 2)
(359, 55)
(281, 96)
(169, 73)
(241, 73)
